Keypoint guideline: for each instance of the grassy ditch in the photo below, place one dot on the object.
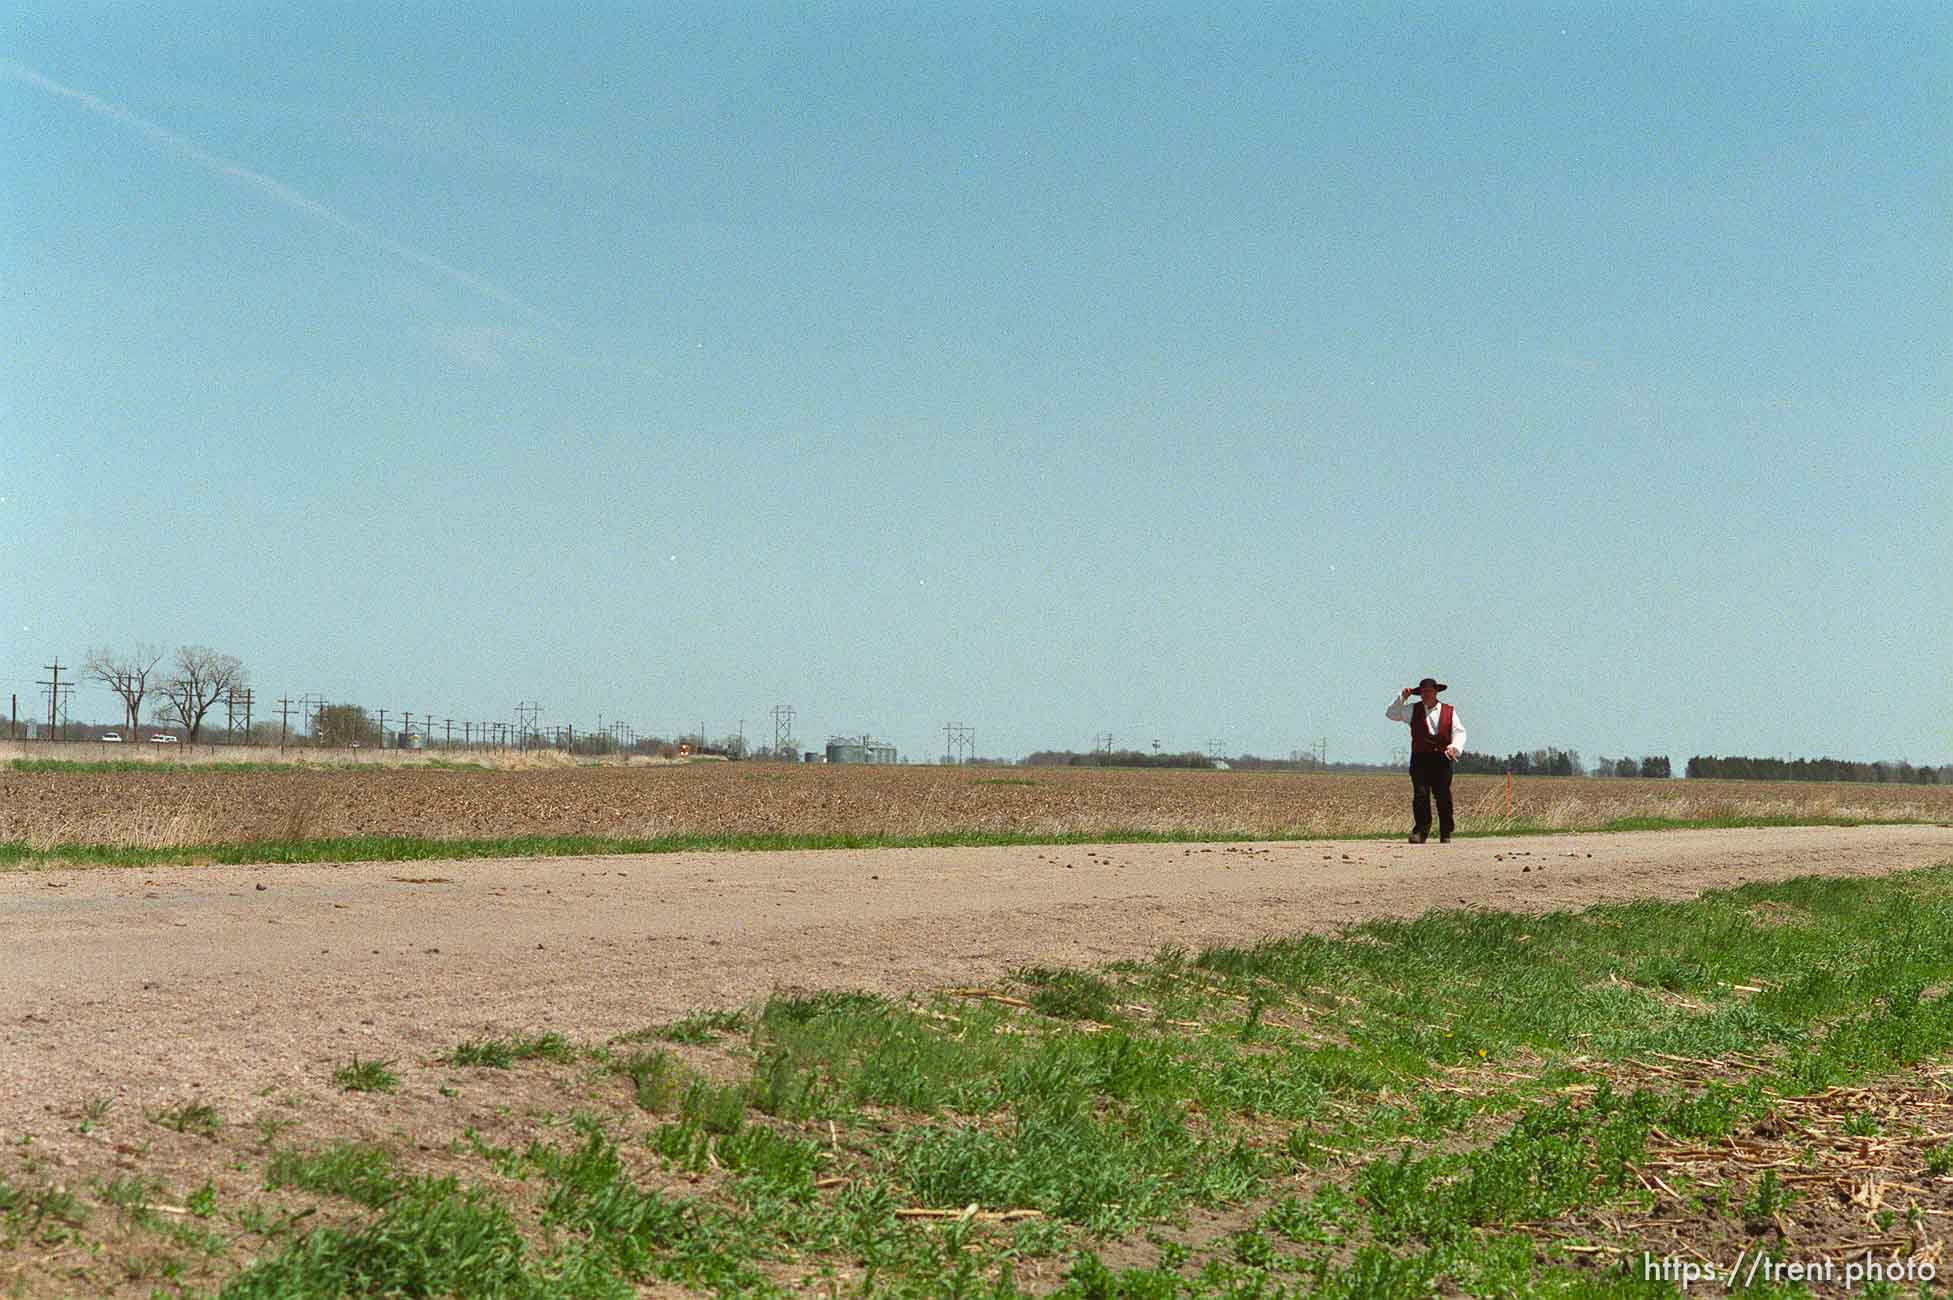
(1472, 1103)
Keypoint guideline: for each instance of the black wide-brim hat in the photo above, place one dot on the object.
(1431, 682)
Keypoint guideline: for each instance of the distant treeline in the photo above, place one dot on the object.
(1814, 769)
(1534, 762)
(1115, 758)
(1301, 763)
(1650, 765)
(1538, 762)
(1298, 762)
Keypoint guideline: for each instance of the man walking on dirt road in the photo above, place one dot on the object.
(1437, 737)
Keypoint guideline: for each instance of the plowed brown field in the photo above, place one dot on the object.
(189, 805)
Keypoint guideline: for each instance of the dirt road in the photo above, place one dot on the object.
(127, 984)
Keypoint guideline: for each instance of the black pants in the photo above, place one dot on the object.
(1431, 778)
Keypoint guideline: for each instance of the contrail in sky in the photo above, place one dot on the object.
(283, 193)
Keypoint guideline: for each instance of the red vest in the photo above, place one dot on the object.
(1422, 741)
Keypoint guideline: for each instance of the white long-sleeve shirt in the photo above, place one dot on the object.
(1400, 711)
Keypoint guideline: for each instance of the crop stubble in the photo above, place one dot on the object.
(189, 806)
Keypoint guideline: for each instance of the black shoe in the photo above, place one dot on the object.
(1444, 839)
(1418, 837)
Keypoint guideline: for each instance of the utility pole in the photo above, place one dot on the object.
(284, 719)
(53, 689)
(383, 728)
(312, 708)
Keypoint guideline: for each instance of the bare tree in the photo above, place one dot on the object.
(127, 675)
(202, 676)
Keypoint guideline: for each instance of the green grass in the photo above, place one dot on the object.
(365, 1174)
(1378, 1112)
(706, 1027)
(189, 1117)
(1069, 994)
(37, 1210)
(366, 1076)
(431, 1238)
(400, 848)
(655, 1077)
(501, 1053)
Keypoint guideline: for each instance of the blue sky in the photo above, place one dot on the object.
(1175, 372)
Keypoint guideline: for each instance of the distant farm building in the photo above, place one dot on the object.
(858, 749)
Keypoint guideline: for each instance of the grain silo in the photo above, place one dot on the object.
(859, 749)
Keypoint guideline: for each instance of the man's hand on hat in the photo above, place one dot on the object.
(1404, 694)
